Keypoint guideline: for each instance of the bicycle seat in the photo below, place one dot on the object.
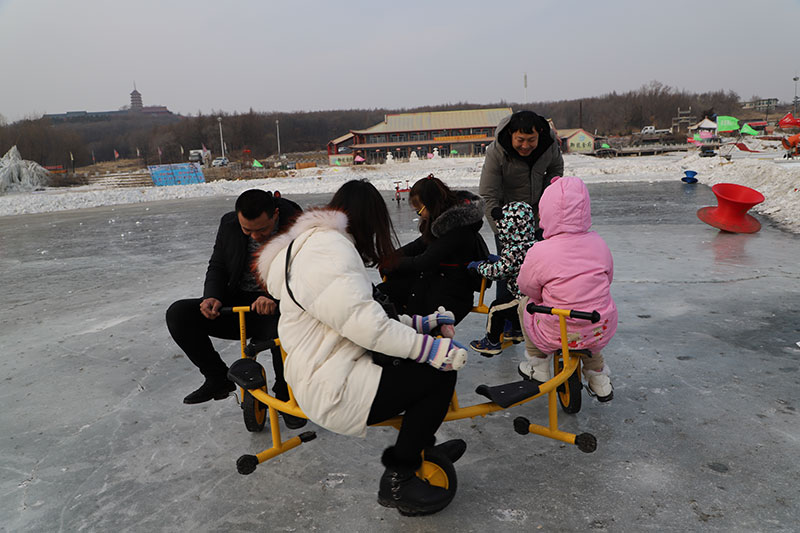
(587, 353)
(247, 373)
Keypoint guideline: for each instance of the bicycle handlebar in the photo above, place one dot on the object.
(593, 317)
(231, 309)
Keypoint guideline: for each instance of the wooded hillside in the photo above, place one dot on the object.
(51, 144)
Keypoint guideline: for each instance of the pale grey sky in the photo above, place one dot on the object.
(198, 55)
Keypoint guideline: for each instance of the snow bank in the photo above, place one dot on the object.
(778, 179)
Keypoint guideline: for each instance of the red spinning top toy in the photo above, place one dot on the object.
(734, 201)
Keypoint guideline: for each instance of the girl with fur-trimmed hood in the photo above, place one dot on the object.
(432, 270)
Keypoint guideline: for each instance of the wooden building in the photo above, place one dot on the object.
(576, 140)
(466, 132)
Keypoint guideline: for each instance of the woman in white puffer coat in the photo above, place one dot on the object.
(330, 327)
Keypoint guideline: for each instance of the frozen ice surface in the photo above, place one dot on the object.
(702, 434)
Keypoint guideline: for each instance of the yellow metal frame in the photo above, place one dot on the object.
(455, 411)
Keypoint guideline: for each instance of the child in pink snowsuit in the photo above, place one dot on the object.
(571, 268)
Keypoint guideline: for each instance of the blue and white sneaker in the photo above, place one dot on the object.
(514, 335)
(486, 347)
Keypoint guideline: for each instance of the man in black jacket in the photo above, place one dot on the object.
(230, 282)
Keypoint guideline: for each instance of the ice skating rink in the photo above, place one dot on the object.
(702, 434)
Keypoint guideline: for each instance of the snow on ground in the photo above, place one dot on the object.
(776, 178)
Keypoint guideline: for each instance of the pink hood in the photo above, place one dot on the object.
(571, 268)
(565, 207)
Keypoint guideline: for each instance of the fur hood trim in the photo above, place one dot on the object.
(321, 218)
(468, 211)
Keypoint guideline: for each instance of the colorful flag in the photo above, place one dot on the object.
(70, 157)
(789, 121)
(159, 151)
(698, 136)
(705, 134)
(93, 159)
(137, 152)
(181, 149)
(116, 155)
(725, 123)
(748, 130)
(205, 150)
(257, 164)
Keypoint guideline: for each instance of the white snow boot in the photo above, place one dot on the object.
(598, 384)
(536, 368)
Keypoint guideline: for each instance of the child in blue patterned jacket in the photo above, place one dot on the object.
(515, 225)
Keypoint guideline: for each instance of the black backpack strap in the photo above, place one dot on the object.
(286, 276)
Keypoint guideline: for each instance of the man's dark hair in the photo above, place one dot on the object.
(526, 122)
(253, 202)
(368, 220)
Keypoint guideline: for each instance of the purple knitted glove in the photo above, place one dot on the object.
(443, 354)
(424, 324)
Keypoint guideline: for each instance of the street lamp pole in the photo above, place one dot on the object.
(221, 142)
(796, 78)
(278, 130)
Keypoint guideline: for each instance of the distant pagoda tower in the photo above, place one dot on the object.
(136, 100)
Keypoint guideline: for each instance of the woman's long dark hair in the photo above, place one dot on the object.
(436, 197)
(368, 220)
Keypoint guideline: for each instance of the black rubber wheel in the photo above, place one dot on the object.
(438, 470)
(569, 393)
(254, 412)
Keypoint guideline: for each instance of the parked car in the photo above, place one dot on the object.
(707, 151)
(220, 162)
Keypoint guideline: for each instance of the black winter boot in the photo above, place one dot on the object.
(452, 449)
(401, 488)
(211, 390)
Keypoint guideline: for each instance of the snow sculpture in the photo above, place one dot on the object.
(435, 153)
(17, 174)
(413, 156)
(389, 157)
